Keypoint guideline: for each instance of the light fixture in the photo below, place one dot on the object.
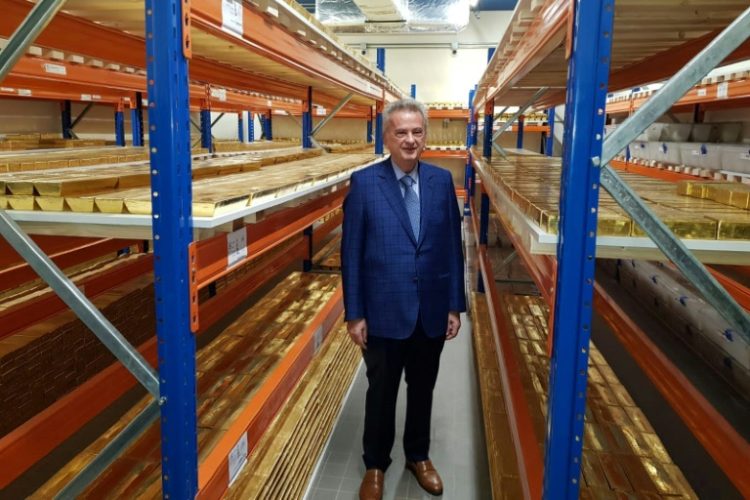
(473, 3)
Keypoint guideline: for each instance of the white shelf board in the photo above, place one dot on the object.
(139, 226)
(537, 241)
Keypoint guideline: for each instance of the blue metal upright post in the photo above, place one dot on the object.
(380, 55)
(307, 120)
(250, 127)
(369, 127)
(66, 115)
(588, 72)
(469, 174)
(413, 92)
(474, 116)
(119, 125)
(269, 126)
(206, 142)
(519, 137)
(549, 149)
(489, 121)
(379, 127)
(240, 127)
(484, 227)
(490, 53)
(169, 133)
(136, 121)
(139, 109)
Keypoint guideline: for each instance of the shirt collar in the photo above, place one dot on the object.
(414, 174)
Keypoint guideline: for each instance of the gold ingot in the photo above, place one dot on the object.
(21, 202)
(50, 203)
(696, 229)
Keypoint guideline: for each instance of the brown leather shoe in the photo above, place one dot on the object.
(372, 485)
(427, 477)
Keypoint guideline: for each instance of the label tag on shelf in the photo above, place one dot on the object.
(55, 69)
(722, 90)
(237, 458)
(24, 92)
(220, 94)
(320, 111)
(231, 17)
(702, 92)
(236, 246)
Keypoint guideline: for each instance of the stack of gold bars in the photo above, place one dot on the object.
(622, 455)
(220, 184)
(532, 182)
(230, 369)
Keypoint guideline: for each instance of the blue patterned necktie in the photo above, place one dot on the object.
(412, 204)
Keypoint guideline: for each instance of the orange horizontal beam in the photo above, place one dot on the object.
(40, 307)
(33, 92)
(48, 244)
(435, 153)
(213, 473)
(714, 93)
(546, 33)
(462, 114)
(532, 128)
(11, 277)
(529, 459)
(211, 254)
(27, 444)
(654, 173)
(72, 34)
(725, 445)
(320, 232)
(62, 73)
(272, 41)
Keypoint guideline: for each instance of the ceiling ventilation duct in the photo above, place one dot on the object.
(393, 16)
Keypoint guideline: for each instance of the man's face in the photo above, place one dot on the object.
(405, 136)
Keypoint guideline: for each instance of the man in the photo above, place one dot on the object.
(402, 266)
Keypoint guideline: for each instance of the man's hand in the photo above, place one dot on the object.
(357, 329)
(454, 324)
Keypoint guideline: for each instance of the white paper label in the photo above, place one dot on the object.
(236, 246)
(318, 338)
(722, 90)
(6, 89)
(702, 92)
(55, 69)
(86, 97)
(269, 103)
(25, 92)
(320, 111)
(231, 17)
(220, 94)
(237, 458)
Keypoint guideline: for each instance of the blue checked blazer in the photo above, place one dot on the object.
(389, 276)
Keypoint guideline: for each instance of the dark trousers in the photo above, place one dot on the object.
(419, 357)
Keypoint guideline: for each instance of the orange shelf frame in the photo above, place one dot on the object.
(720, 93)
(24, 446)
(730, 450)
(275, 43)
(654, 173)
(209, 257)
(530, 464)
(435, 153)
(213, 473)
(452, 114)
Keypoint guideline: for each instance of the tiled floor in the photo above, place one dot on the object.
(457, 448)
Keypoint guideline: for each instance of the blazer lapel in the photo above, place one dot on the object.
(392, 192)
(426, 196)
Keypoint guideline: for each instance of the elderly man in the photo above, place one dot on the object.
(402, 266)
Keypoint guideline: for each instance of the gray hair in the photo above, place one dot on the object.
(407, 104)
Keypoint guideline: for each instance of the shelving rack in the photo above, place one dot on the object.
(575, 52)
(269, 47)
